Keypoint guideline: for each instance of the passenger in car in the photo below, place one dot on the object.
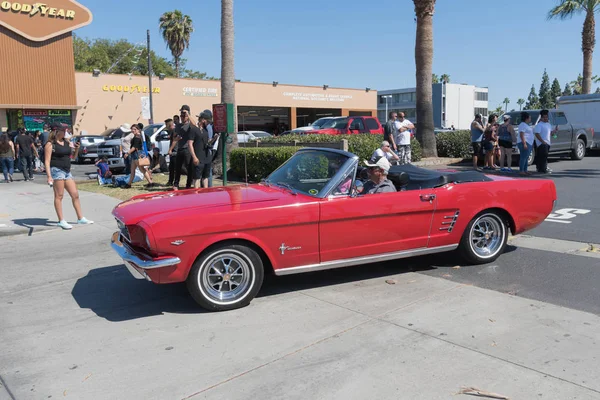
(378, 181)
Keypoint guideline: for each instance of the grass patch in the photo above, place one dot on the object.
(137, 188)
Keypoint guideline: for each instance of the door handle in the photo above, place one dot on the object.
(428, 197)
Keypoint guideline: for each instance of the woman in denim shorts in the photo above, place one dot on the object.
(58, 169)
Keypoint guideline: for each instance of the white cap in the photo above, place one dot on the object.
(126, 128)
(382, 163)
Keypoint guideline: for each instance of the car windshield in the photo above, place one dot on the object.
(515, 117)
(261, 134)
(308, 171)
(320, 122)
(337, 123)
(150, 129)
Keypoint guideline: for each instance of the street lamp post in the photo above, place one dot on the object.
(386, 97)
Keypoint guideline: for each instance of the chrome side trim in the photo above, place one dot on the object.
(348, 262)
(127, 256)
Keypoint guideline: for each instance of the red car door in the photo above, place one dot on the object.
(374, 224)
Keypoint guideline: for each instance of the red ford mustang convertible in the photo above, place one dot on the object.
(309, 215)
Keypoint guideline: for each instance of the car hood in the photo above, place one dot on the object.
(147, 205)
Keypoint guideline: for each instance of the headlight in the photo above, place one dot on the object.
(139, 237)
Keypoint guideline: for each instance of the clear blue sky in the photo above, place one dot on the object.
(350, 43)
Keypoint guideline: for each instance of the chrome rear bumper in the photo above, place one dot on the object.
(134, 263)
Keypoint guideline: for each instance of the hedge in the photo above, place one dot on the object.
(261, 161)
(455, 144)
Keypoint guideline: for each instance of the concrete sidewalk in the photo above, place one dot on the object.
(76, 325)
(27, 208)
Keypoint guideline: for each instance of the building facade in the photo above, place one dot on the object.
(39, 84)
(453, 104)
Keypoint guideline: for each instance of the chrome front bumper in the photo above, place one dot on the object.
(135, 264)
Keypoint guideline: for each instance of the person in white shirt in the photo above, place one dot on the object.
(402, 139)
(543, 132)
(524, 142)
(384, 151)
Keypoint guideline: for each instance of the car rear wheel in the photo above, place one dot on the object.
(485, 238)
(226, 277)
(579, 151)
(531, 158)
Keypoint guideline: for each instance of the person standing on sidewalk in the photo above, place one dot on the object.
(7, 157)
(402, 139)
(183, 154)
(170, 128)
(506, 139)
(26, 150)
(390, 131)
(543, 131)
(476, 138)
(524, 143)
(58, 169)
(126, 145)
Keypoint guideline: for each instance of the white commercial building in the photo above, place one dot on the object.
(454, 104)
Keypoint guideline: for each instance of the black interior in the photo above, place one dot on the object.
(410, 177)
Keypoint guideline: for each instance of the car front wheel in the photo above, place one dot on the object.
(485, 238)
(579, 151)
(226, 277)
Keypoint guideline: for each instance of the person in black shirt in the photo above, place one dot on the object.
(135, 153)
(158, 164)
(201, 149)
(183, 134)
(58, 169)
(170, 128)
(25, 151)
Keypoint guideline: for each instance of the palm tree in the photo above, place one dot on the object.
(520, 102)
(176, 30)
(435, 78)
(445, 78)
(506, 102)
(566, 9)
(227, 63)
(423, 59)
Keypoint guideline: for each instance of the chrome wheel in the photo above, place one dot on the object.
(487, 236)
(226, 276)
(580, 149)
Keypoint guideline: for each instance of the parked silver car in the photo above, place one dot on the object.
(88, 150)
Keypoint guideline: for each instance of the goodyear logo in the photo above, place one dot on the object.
(40, 9)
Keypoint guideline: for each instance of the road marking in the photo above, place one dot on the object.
(556, 245)
(564, 214)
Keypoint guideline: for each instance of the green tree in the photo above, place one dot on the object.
(445, 78)
(520, 102)
(498, 110)
(597, 90)
(423, 60)
(566, 9)
(176, 30)
(556, 91)
(577, 85)
(506, 102)
(122, 57)
(435, 78)
(567, 91)
(545, 95)
(533, 102)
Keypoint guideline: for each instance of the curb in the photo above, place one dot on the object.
(16, 230)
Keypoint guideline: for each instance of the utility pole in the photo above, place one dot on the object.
(150, 77)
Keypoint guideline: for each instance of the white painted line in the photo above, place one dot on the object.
(557, 220)
(556, 245)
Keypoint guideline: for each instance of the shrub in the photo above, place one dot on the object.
(456, 144)
(260, 161)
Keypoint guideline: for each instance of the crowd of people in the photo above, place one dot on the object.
(193, 146)
(496, 142)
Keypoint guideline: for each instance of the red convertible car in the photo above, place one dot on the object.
(309, 215)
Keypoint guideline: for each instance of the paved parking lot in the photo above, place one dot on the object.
(76, 325)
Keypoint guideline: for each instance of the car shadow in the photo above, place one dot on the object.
(113, 294)
(34, 223)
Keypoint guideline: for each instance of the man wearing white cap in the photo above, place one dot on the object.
(378, 181)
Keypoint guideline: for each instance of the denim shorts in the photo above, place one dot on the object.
(59, 175)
